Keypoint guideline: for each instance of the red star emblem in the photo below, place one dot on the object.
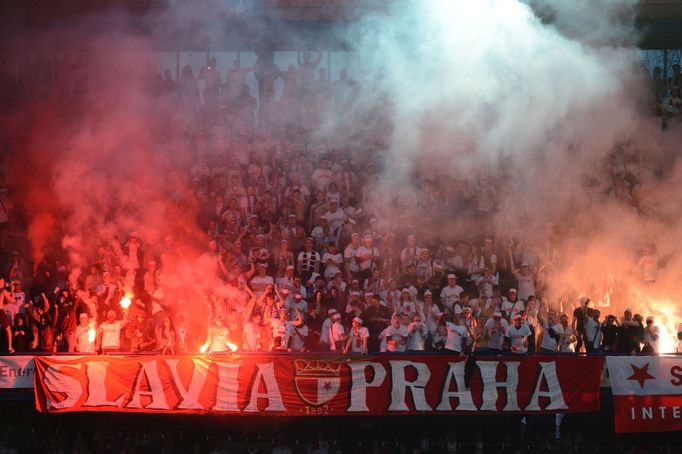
(327, 385)
(641, 374)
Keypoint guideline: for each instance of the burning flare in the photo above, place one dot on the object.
(232, 346)
(91, 334)
(125, 302)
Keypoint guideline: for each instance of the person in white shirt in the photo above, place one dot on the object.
(410, 255)
(517, 336)
(110, 333)
(334, 216)
(450, 293)
(417, 331)
(85, 340)
(568, 339)
(349, 257)
(496, 328)
(552, 332)
(357, 338)
(323, 345)
(218, 337)
(457, 333)
(396, 335)
(593, 332)
(296, 334)
(485, 283)
(406, 304)
(332, 260)
(429, 312)
(337, 334)
(251, 334)
(368, 257)
(650, 337)
(513, 306)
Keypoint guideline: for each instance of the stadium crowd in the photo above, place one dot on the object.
(310, 256)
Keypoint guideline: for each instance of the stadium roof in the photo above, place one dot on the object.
(259, 24)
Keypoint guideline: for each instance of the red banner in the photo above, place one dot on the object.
(647, 393)
(317, 385)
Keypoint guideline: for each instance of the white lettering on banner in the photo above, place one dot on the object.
(266, 374)
(149, 371)
(228, 386)
(463, 395)
(554, 393)
(97, 391)
(490, 385)
(58, 382)
(358, 390)
(190, 394)
(649, 412)
(399, 386)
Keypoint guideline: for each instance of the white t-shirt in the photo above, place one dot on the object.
(324, 331)
(526, 285)
(513, 308)
(649, 340)
(371, 256)
(417, 338)
(456, 333)
(356, 339)
(449, 295)
(594, 333)
(548, 342)
(82, 342)
(111, 334)
(567, 343)
(332, 264)
(295, 337)
(251, 337)
(394, 336)
(349, 255)
(259, 283)
(496, 332)
(518, 337)
(336, 333)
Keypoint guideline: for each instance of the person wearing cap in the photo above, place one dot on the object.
(368, 257)
(308, 261)
(650, 337)
(512, 306)
(486, 282)
(418, 333)
(457, 334)
(410, 254)
(450, 293)
(261, 281)
(334, 215)
(517, 336)
(317, 209)
(322, 234)
(524, 276)
(323, 345)
(350, 257)
(438, 280)
(429, 311)
(283, 258)
(406, 304)
(424, 265)
(396, 335)
(337, 334)
(552, 332)
(357, 338)
(594, 333)
(287, 281)
(296, 333)
(568, 338)
(332, 261)
(296, 304)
